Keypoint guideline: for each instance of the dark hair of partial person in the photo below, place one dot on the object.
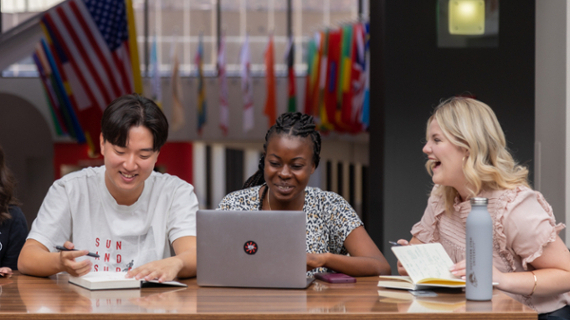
(7, 186)
(129, 111)
(293, 124)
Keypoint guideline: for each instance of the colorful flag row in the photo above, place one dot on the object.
(88, 57)
(336, 88)
(337, 81)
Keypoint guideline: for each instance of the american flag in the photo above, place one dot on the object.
(90, 42)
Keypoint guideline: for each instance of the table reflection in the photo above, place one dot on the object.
(55, 296)
(32, 295)
(164, 300)
(10, 300)
(337, 298)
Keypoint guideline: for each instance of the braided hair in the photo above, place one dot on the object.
(294, 124)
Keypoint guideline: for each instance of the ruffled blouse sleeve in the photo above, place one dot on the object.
(425, 229)
(528, 224)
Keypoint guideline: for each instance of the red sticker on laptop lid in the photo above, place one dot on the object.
(250, 247)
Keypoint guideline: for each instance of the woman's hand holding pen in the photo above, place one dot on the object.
(402, 242)
(68, 263)
(401, 270)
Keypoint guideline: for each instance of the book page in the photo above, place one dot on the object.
(425, 261)
(106, 276)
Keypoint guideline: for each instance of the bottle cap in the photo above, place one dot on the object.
(479, 201)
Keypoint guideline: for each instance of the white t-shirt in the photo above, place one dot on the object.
(79, 208)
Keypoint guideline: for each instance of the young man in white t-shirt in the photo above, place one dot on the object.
(123, 211)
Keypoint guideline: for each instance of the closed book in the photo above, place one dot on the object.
(116, 280)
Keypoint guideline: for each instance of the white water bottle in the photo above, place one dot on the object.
(479, 252)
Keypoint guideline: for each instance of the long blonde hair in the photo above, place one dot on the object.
(472, 125)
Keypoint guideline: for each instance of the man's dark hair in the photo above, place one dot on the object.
(130, 111)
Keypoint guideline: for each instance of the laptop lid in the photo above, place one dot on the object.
(251, 248)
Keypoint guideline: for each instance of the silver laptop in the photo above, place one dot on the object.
(264, 249)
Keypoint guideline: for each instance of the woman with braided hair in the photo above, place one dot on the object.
(291, 154)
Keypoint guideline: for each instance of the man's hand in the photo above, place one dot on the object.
(162, 270)
(68, 263)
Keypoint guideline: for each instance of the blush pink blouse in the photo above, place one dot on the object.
(523, 225)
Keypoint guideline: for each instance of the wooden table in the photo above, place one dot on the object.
(23, 297)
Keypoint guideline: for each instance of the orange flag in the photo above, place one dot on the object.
(271, 103)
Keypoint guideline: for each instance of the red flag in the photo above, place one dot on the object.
(332, 76)
(270, 103)
(343, 89)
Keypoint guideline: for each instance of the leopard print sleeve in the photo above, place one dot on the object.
(341, 220)
(241, 200)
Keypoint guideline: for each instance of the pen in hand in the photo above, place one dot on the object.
(394, 243)
(90, 254)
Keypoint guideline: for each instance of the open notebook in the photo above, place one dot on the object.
(427, 266)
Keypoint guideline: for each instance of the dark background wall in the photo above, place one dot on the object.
(411, 75)
(28, 147)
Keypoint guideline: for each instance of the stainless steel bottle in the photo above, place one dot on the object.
(479, 252)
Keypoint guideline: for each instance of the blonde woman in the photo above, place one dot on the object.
(467, 157)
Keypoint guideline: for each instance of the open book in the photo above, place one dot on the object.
(116, 280)
(427, 266)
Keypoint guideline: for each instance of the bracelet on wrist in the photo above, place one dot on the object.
(535, 282)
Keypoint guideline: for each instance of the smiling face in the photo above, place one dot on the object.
(288, 167)
(128, 167)
(446, 159)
